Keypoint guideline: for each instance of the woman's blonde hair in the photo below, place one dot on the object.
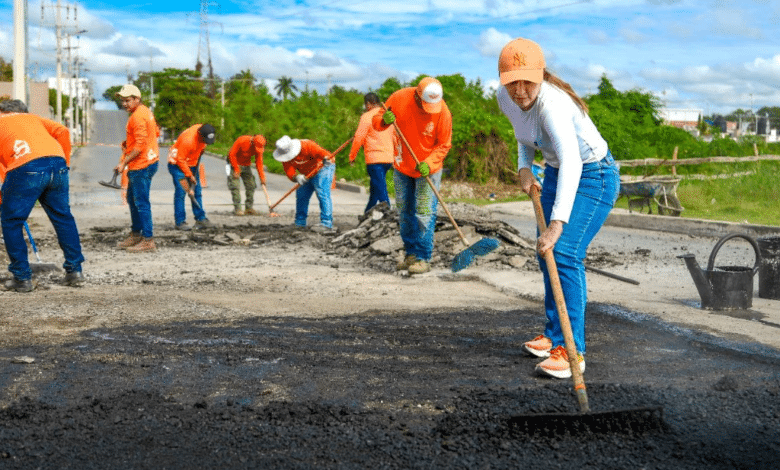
(554, 80)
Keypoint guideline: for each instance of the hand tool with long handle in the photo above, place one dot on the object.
(612, 275)
(113, 183)
(639, 419)
(309, 176)
(463, 259)
(560, 305)
(268, 201)
(186, 187)
(40, 265)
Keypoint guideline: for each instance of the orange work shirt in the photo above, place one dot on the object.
(308, 161)
(430, 135)
(242, 151)
(186, 152)
(142, 133)
(378, 146)
(25, 137)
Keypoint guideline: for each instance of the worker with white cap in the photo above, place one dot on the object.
(313, 168)
(425, 122)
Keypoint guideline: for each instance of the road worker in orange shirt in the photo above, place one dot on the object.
(378, 148)
(183, 160)
(423, 118)
(140, 159)
(312, 167)
(35, 156)
(239, 169)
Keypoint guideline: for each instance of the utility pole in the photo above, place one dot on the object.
(58, 27)
(20, 51)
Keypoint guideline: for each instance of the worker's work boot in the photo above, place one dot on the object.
(407, 261)
(420, 267)
(74, 279)
(133, 239)
(20, 286)
(250, 211)
(145, 245)
(238, 211)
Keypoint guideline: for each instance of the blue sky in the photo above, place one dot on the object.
(713, 55)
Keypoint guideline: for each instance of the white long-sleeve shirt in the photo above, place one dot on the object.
(564, 134)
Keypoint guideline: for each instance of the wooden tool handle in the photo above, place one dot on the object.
(560, 303)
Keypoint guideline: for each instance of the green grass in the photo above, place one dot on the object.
(753, 199)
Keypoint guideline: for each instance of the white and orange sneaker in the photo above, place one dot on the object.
(539, 346)
(557, 365)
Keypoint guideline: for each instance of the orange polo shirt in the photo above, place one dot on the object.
(308, 160)
(25, 137)
(242, 151)
(186, 152)
(142, 133)
(378, 146)
(430, 135)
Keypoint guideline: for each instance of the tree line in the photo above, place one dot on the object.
(484, 148)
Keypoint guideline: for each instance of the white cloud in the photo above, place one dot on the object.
(491, 41)
(132, 46)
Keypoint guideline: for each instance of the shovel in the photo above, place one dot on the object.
(40, 266)
(634, 419)
(309, 176)
(113, 183)
(481, 248)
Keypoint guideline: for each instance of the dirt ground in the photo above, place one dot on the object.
(256, 345)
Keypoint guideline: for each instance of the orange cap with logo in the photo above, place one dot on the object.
(430, 92)
(521, 59)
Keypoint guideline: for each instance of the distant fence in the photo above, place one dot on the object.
(674, 162)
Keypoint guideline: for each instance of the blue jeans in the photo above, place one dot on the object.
(45, 180)
(319, 184)
(417, 206)
(378, 187)
(139, 185)
(179, 214)
(597, 193)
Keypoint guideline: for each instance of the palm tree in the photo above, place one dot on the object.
(285, 87)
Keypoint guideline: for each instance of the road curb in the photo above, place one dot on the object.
(343, 185)
(698, 227)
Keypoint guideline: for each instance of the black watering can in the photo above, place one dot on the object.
(724, 287)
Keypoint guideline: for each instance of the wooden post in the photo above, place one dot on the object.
(755, 149)
(674, 157)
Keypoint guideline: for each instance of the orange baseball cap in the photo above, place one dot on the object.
(430, 92)
(521, 59)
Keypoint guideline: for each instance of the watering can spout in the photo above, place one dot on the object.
(699, 278)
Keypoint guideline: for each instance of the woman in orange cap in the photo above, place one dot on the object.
(581, 184)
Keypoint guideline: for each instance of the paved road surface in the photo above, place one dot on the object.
(666, 290)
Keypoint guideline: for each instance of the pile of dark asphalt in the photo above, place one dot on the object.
(403, 390)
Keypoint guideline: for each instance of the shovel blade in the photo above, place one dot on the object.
(111, 184)
(481, 248)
